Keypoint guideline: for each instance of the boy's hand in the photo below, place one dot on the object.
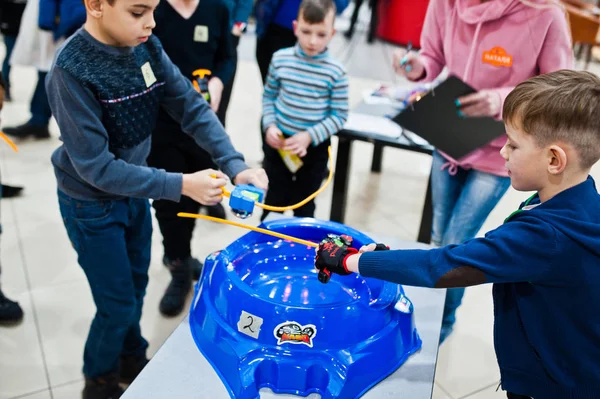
(373, 247)
(408, 65)
(215, 89)
(203, 188)
(274, 137)
(298, 143)
(256, 177)
(332, 254)
(236, 30)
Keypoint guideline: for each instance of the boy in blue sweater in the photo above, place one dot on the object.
(106, 87)
(305, 102)
(544, 260)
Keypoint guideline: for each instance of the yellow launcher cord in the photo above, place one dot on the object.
(257, 229)
(9, 141)
(299, 204)
(269, 208)
(307, 199)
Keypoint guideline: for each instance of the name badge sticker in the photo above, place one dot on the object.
(201, 33)
(149, 77)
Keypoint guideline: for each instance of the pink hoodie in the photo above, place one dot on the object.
(494, 45)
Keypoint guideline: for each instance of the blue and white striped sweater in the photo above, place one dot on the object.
(306, 93)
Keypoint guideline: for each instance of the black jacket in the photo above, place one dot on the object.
(11, 12)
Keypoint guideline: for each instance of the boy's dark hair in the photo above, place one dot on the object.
(559, 106)
(315, 11)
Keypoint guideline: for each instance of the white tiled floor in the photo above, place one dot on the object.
(42, 357)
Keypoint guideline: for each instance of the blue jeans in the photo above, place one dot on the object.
(9, 41)
(40, 107)
(112, 240)
(461, 204)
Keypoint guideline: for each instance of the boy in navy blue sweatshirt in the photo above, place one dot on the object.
(544, 260)
(106, 86)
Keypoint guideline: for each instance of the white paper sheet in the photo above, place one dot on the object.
(373, 124)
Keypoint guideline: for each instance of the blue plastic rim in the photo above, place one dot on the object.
(262, 319)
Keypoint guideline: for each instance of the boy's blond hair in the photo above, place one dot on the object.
(561, 106)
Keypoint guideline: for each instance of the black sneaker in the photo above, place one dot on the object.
(106, 387)
(216, 211)
(130, 367)
(10, 311)
(197, 266)
(11, 191)
(26, 130)
(173, 301)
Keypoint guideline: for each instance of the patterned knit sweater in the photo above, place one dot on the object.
(106, 100)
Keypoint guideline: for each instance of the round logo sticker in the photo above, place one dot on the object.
(292, 332)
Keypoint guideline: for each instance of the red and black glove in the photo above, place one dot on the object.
(332, 254)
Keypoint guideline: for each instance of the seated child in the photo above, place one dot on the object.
(305, 102)
(544, 261)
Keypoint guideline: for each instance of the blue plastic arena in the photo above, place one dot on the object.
(262, 319)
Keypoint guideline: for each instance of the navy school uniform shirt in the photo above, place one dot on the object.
(106, 100)
(545, 266)
(202, 41)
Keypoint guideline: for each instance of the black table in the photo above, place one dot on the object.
(344, 160)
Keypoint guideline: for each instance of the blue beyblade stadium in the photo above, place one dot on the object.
(263, 319)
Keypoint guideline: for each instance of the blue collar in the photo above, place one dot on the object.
(302, 54)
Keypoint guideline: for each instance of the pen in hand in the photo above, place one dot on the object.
(404, 59)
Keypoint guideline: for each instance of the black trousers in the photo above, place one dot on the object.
(185, 156)
(515, 396)
(228, 87)
(286, 188)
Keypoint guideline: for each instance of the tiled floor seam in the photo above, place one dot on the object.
(441, 388)
(30, 293)
(28, 394)
(495, 384)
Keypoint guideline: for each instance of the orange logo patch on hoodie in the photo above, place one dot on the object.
(497, 57)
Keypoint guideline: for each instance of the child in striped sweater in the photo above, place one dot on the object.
(305, 102)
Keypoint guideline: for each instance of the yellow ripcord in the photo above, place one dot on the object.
(10, 142)
(269, 208)
(244, 226)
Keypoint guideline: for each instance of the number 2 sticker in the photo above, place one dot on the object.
(249, 324)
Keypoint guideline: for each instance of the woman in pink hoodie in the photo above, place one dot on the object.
(492, 45)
